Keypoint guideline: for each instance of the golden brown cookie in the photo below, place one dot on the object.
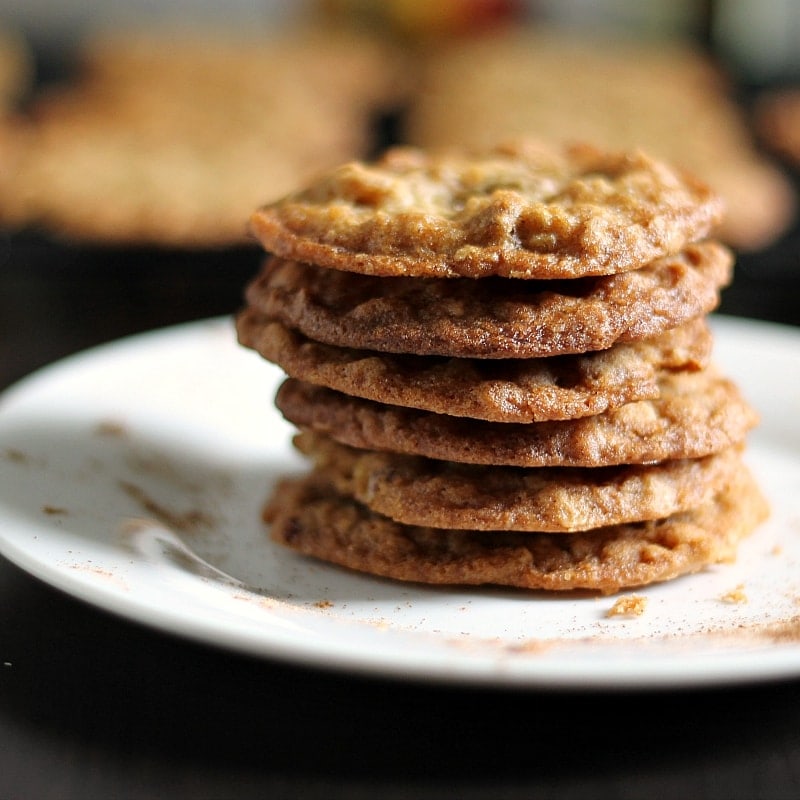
(493, 317)
(310, 517)
(508, 390)
(696, 414)
(624, 93)
(443, 494)
(517, 211)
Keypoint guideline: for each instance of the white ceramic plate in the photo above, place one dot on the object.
(132, 476)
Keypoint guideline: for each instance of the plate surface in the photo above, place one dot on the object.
(132, 477)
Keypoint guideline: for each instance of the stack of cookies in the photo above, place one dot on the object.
(500, 367)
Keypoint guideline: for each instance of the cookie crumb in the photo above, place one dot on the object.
(110, 428)
(736, 595)
(323, 604)
(630, 606)
(54, 510)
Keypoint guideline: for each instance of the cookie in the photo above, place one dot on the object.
(624, 93)
(508, 390)
(493, 317)
(308, 516)
(173, 140)
(517, 211)
(443, 494)
(695, 415)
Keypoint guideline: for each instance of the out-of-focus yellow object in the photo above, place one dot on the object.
(450, 16)
(414, 19)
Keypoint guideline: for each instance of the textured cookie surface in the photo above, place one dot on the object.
(493, 317)
(311, 518)
(509, 390)
(625, 94)
(517, 211)
(696, 414)
(442, 494)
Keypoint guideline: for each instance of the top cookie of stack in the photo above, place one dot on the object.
(500, 366)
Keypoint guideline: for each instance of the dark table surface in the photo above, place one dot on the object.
(93, 706)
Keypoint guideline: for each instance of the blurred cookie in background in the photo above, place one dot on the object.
(170, 138)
